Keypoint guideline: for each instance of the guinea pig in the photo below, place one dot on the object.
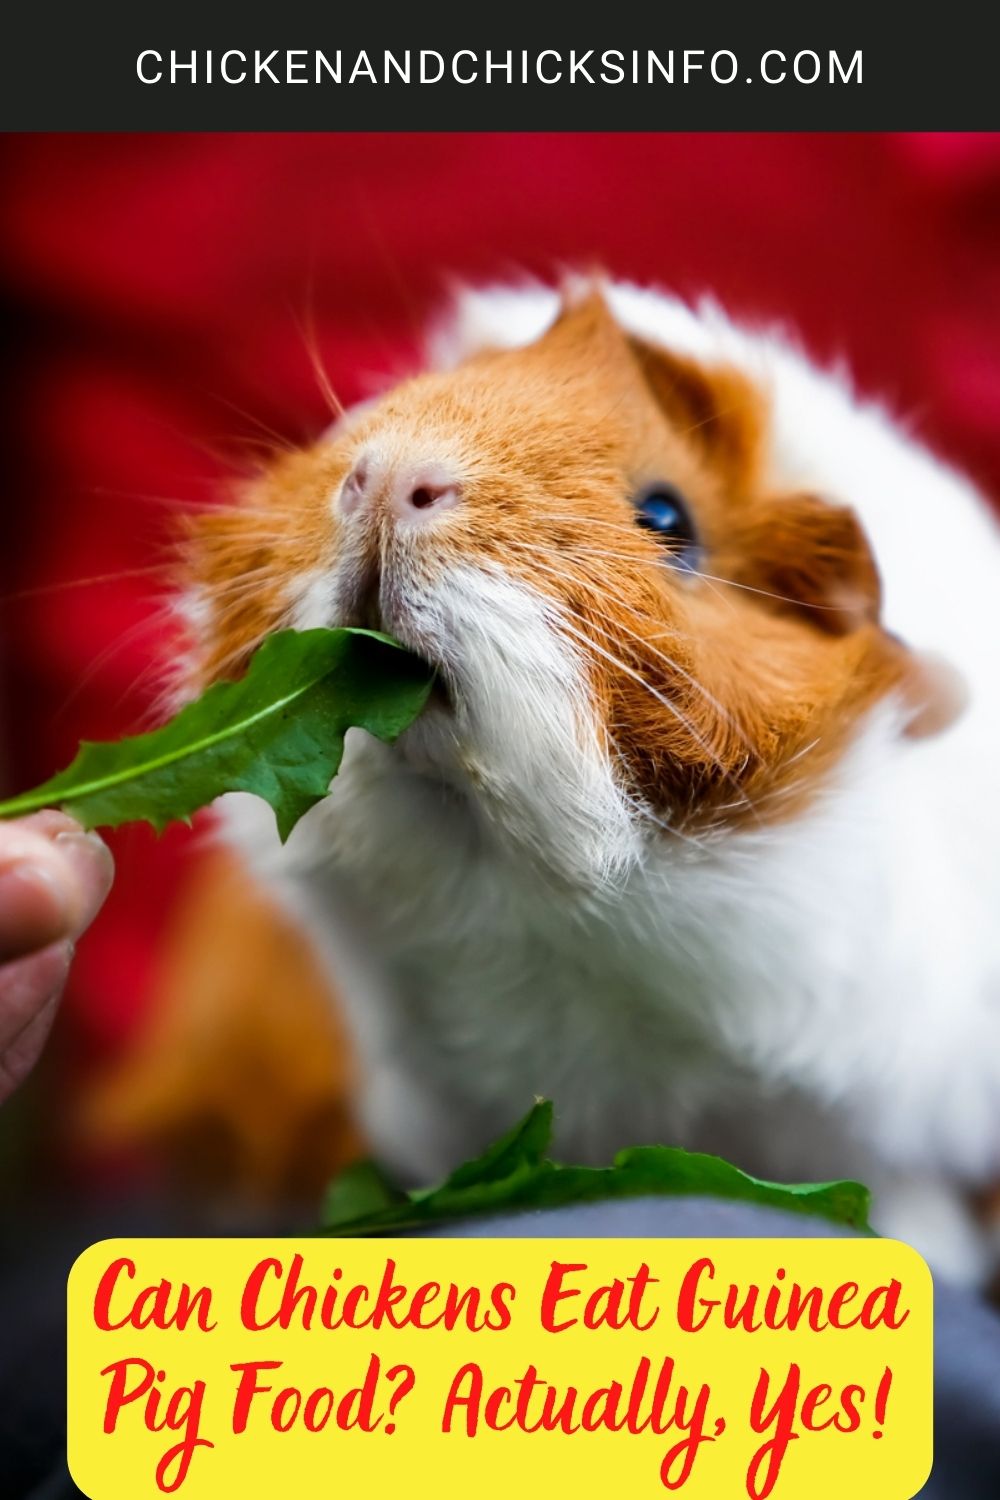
(699, 834)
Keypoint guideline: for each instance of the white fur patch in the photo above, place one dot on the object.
(529, 739)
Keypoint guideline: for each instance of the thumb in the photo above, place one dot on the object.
(53, 881)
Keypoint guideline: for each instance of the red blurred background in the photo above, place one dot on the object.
(160, 290)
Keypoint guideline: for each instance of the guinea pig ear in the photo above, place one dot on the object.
(809, 558)
(936, 693)
(716, 408)
(585, 324)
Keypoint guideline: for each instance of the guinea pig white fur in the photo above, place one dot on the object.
(506, 915)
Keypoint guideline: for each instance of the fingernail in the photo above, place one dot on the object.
(93, 869)
(36, 908)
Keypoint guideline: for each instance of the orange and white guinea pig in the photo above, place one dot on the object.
(700, 833)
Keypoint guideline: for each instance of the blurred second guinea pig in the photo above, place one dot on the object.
(699, 835)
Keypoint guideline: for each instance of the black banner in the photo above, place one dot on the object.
(622, 67)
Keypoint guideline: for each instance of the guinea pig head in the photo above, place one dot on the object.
(637, 635)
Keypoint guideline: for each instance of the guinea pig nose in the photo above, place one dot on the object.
(417, 493)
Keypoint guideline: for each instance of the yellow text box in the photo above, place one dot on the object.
(720, 1368)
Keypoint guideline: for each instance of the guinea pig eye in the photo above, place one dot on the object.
(662, 510)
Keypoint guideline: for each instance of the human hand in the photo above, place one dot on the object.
(53, 881)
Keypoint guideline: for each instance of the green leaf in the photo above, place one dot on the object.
(516, 1173)
(278, 731)
(358, 1192)
(524, 1144)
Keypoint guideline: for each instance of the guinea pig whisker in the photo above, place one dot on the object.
(800, 754)
(172, 502)
(663, 656)
(233, 513)
(240, 534)
(593, 521)
(602, 555)
(658, 563)
(605, 555)
(700, 572)
(643, 811)
(700, 687)
(81, 583)
(749, 588)
(632, 558)
(745, 800)
(246, 579)
(149, 622)
(715, 416)
(310, 340)
(245, 648)
(234, 588)
(280, 443)
(582, 574)
(665, 702)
